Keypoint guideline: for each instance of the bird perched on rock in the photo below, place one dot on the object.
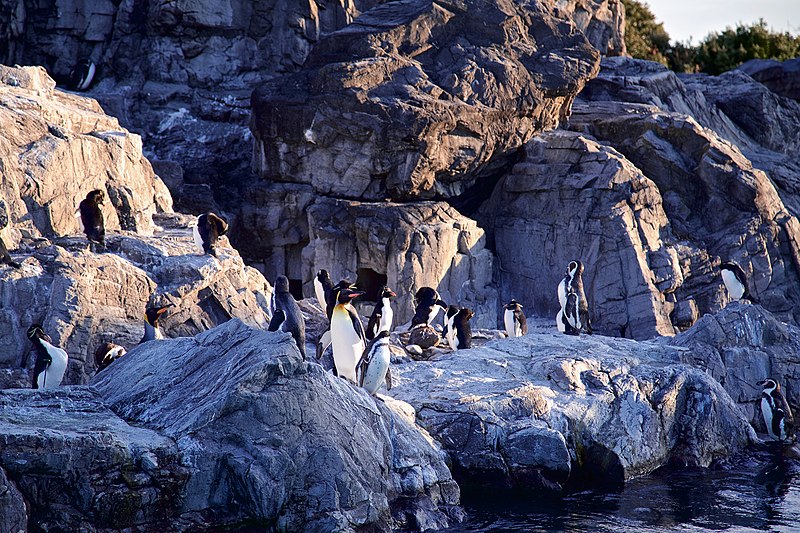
(373, 367)
(461, 336)
(382, 315)
(776, 412)
(210, 227)
(82, 75)
(152, 329)
(735, 281)
(427, 305)
(514, 319)
(287, 315)
(331, 297)
(449, 331)
(107, 353)
(347, 334)
(575, 308)
(322, 285)
(51, 361)
(92, 221)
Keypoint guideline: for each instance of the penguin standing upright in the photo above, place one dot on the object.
(449, 331)
(81, 77)
(152, 329)
(91, 217)
(107, 353)
(51, 361)
(382, 315)
(514, 319)
(322, 285)
(463, 332)
(347, 334)
(427, 305)
(562, 323)
(735, 281)
(287, 316)
(576, 309)
(210, 227)
(373, 367)
(776, 412)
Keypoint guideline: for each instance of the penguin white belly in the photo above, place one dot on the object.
(86, 81)
(562, 293)
(376, 371)
(735, 288)
(51, 377)
(452, 334)
(508, 320)
(319, 292)
(766, 412)
(198, 240)
(347, 345)
(386, 318)
(432, 313)
(560, 321)
(81, 227)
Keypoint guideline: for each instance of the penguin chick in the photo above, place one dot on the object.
(373, 367)
(382, 315)
(92, 218)
(776, 412)
(427, 305)
(107, 353)
(152, 329)
(514, 319)
(210, 227)
(51, 361)
(463, 331)
(287, 316)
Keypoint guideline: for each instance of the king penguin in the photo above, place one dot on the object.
(576, 309)
(91, 217)
(427, 305)
(322, 286)
(463, 332)
(210, 227)
(735, 281)
(514, 319)
(107, 353)
(775, 409)
(287, 316)
(347, 334)
(152, 329)
(373, 367)
(382, 315)
(51, 361)
(81, 77)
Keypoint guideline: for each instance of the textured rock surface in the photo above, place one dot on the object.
(414, 99)
(780, 77)
(14, 517)
(544, 410)
(272, 440)
(602, 22)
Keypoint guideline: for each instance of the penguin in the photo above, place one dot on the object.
(514, 319)
(322, 284)
(562, 324)
(576, 308)
(152, 329)
(449, 331)
(373, 367)
(287, 316)
(5, 257)
(51, 361)
(775, 409)
(427, 304)
(382, 315)
(331, 296)
(463, 332)
(347, 334)
(561, 320)
(735, 281)
(82, 75)
(209, 228)
(91, 217)
(107, 353)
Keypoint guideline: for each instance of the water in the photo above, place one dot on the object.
(759, 493)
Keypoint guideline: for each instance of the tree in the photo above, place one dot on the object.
(645, 37)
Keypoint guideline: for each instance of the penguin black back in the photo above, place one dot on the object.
(92, 217)
(577, 308)
(211, 227)
(292, 318)
(426, 306)
(382, 314)
(462, 327)
(776, 411)
(82, 75)
(51, 361)
(322, 286)
(514, 319)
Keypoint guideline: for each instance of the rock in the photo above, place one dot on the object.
(14, 517)
(602, 22)
(423, 337)
(546, 411)
(413, 100)
(780, 77)
(269, 439)
(414, 349)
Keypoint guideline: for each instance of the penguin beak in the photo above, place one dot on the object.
(392, 293)
(355, 294)
(163, 309)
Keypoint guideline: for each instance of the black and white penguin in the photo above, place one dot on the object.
(449, 331)
(382, 315)
(347, 334)
(82, 75)
(373, 367)
(514, 319)
(152, 329)
(331, 298)
(576, 308)
(5, 257)
(463, 332)
(775, 409)
(427, 305)
(107, 353)
(735, 281)
(91, 217)
(210, 227)
(51, 361)
(287, 315)
(322, 285)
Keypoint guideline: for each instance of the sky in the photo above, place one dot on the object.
(697, 18)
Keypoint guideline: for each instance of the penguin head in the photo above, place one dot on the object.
(96, 197)
(36, 333)
(575, 267)
(425, 295)
(218, 222)
(513, 305)
(348, 293)
(282, 284)
(769, 385)
(386, 292)
(323, 276)
(452, 310)
(383, 334)
(154, 312)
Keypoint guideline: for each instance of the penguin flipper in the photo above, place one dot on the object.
(372, 325)
(388, 379)
(277, 319)
(357, 325)
(323, 344)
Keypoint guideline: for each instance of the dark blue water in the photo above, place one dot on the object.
(758, 493)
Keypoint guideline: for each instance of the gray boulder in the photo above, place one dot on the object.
(14, 517)
(780, 77)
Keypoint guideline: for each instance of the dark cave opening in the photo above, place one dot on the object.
(370, 282)
(296, 288)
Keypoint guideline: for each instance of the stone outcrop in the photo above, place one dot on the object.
(549, 410)
(780, 77)
(602, 22)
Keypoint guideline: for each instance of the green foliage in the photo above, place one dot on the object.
(645, 37)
